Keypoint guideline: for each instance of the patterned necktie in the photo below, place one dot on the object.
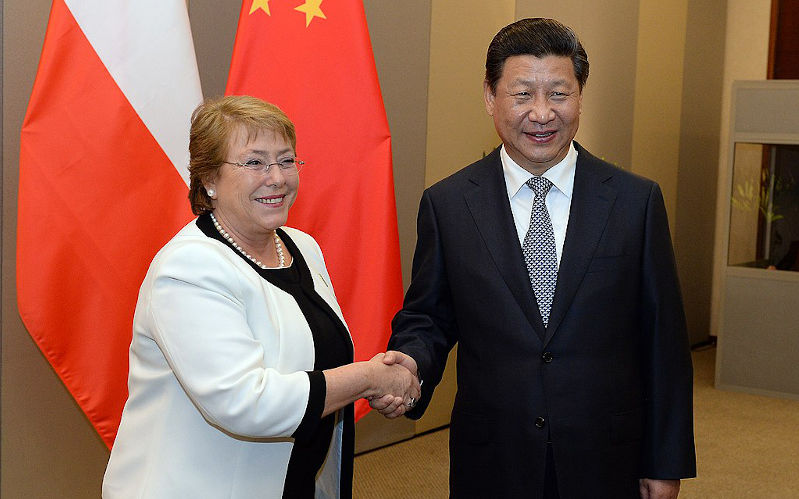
(539, 249)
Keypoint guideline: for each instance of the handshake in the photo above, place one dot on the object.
(396, 382)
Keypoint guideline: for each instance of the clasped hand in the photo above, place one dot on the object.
(402, 389)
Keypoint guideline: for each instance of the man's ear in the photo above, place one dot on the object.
(489, 98)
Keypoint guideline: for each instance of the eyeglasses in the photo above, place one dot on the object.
(289, 166)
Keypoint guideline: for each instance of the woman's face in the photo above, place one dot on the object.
(251, 204)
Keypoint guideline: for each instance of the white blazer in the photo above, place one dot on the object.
(217, 381)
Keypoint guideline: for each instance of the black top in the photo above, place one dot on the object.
(332, 348)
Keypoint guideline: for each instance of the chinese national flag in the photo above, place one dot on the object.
(104, 155)
(313, 59)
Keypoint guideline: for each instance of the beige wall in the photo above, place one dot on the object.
(458, 129)
(745, 58)
(658, 94)
(400, 33)
(697, 173)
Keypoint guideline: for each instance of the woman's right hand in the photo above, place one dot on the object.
(396, 385)
(376, 379)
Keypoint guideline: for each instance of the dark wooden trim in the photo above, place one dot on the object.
(772, 37)
(783, 59)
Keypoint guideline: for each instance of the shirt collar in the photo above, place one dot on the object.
(561, 175)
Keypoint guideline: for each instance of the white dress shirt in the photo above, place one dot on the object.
(558, 200)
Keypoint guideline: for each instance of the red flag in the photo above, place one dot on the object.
(313, 59)
(104, 145)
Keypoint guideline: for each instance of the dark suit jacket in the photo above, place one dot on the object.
(608, 382)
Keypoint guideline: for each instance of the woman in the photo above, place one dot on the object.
(241, 377)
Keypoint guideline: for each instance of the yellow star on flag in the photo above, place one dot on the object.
(260, 4)
(311, 9)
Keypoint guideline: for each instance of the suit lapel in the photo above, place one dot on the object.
(490, 208)
(592, 200)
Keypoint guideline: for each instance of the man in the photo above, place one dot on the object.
(554, 273)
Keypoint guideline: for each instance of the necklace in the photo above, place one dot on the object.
(281, 257)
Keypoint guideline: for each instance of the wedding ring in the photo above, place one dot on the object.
(412, 403)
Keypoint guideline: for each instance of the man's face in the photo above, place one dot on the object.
(536, 108)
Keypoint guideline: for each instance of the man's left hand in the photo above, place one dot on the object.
(658, 489)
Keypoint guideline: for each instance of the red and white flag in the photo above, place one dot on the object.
(103, 171)
(313, 59)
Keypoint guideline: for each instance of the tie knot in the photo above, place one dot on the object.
(539, 185)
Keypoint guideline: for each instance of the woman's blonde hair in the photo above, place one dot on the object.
(212, 124)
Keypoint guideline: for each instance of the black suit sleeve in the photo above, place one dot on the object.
(424, 328)
(669, 440)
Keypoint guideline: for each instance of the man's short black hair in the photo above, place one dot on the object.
(539, 37)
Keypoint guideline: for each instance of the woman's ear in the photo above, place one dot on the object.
(210, 188)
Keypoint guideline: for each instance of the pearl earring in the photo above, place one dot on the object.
(211, 193)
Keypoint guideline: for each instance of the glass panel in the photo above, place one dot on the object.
(764, 217)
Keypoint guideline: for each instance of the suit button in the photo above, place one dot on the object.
(547, 357)
(540, 422)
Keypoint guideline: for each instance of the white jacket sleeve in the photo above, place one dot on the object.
(197, 314)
